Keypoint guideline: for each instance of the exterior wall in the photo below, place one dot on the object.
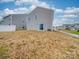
(19, 21)
(5, 28)
(40, 16)
(6, 21)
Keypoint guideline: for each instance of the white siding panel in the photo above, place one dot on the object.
(5, 28)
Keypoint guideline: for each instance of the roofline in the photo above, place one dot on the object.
(45, 8)
(41, 7)
(30, 12)
(7, 15)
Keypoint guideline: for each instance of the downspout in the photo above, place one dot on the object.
(52, 17)
(26, 20)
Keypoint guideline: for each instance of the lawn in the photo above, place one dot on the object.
(38, 45)
(73, 32)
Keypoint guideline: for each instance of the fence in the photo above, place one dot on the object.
(7, 28)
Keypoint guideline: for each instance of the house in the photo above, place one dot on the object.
(76, 26)
(71, 26)
(38, 19)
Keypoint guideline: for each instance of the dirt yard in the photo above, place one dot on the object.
(38, 45)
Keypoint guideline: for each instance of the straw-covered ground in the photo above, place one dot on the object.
(38, 45)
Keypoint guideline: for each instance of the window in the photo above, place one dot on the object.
(41, 26)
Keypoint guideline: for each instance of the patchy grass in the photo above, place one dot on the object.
(72, 31)
(38, 45)
(3, 53)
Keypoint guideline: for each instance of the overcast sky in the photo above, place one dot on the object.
(66, 11)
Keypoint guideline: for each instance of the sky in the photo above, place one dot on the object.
(65, 11)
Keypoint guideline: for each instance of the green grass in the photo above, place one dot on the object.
(3, 53)
(73, 32)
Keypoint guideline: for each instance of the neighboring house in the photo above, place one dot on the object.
(39, 19)
(71, 26)
(76, 27)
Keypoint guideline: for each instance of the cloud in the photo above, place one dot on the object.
(32, 7)
(8, 11)
(32, 2)
(18, 2)
(57, 22)
(20, 10)
(1, 1)
(67, 15)
(58, 10)
(71, 10)
(43, 4)
(28, 2)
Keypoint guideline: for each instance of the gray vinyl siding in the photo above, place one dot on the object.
(6, 21)
(19, 20)
(43, 17)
